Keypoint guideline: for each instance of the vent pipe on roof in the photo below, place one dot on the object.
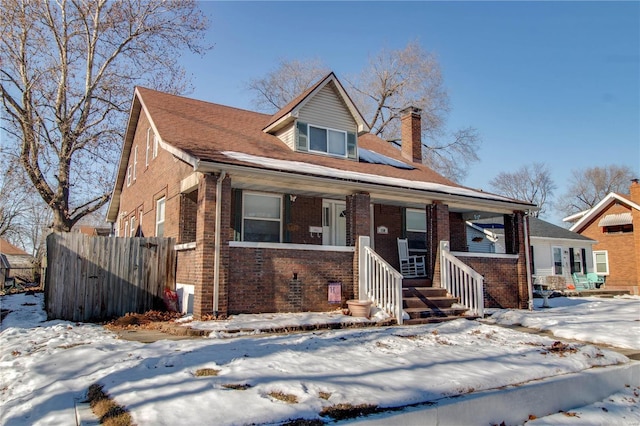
(411, 132)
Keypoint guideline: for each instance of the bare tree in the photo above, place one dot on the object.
(588, 186)
(392, 81)
(67, 72)
(530, 183)
(12, 197)
(285, 82)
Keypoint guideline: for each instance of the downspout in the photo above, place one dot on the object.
(526, 258)
(216, 239)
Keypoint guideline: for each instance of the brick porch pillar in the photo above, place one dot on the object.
(358, 223)
(205, 246)
(514, 237)
(438, 229)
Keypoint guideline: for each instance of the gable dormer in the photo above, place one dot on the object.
(322, 120)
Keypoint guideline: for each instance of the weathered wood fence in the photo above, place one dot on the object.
(97, 278)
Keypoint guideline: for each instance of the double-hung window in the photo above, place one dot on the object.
(261, 217)
(160, 208)
(601, 262)
(135, 163)
(327, 141)
(132, 226)
(148, 150)
(557, 260)
(416, 227)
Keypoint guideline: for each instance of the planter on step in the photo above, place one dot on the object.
(359, 308)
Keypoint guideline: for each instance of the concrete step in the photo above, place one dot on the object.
(430, 320)
(430, 302)
(416, 282)
(434, 312)
(427, 292)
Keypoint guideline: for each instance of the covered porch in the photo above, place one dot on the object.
(239, 264)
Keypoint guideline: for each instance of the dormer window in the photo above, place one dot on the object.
(326, 141)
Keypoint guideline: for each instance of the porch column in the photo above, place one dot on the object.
(205, 246)
(358, 223)
(437, 230)
(514, 237)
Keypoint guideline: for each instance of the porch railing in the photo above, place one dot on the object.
(461, 281)
(379, 281)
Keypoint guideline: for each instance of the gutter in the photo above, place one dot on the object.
(217, 238)
(526, 259)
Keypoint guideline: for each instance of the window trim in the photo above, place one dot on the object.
(132, 225)
(148, 148)
(606, 262)
(262, 194)
(135, 162)
(328, 129)
(162, 200)
(553, 261)
(140, 223)
(156, 142)
(129, 175)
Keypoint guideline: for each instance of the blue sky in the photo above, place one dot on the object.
(550, 82)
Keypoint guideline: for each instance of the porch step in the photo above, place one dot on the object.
(416, 282)
(429, 302)
(432, 320)
(427, 292)
(415, 313)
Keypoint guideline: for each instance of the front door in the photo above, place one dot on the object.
(334, 223)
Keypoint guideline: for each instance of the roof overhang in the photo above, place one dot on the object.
(598, 208)
(327, 182)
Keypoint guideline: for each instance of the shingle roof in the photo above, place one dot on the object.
(543, 229)
(205, 130)
(7, 248)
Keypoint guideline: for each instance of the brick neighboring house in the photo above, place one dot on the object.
(616, 255)
(267, 210)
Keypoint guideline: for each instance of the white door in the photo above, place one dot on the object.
(334, 223)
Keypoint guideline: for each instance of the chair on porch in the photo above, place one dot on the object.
(410, 266)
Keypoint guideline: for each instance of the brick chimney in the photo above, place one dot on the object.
(634, 191)
(411, 133)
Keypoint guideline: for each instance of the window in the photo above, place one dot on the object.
(156, 142)
(601, 262)
(261, 217)
(132, 226)
(148, 150)
(129, 176)
(126, 228)
(160, 208)
(135, 162)
(557, 261)
(618, 229)
(326, 141)
(139, 234)
(416, 227)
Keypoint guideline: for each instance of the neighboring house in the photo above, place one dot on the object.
(15, 263)
(555, 251)
(611, 221)
(272, 212)
(96, 231)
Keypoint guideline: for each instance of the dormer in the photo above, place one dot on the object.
(322, 120)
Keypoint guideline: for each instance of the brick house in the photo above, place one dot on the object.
(268, 210)
(616, 255)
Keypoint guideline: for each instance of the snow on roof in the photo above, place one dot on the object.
(313, 169)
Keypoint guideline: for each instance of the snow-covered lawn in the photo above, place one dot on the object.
(45, 366)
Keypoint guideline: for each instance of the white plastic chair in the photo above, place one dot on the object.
(410, 266)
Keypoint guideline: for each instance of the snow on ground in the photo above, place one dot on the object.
(614, 322)
(46, 365)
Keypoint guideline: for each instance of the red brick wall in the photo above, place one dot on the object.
(186, 267)
(458, 232)
(305, 212)
(500, 281)
(161, 178)
(623, 258)
(387, 245)
(261, 280)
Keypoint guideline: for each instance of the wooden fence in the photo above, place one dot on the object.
(97, 278)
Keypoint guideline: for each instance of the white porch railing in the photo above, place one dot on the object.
(461, 281)
(379, 281)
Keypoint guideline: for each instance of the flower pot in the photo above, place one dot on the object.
(359, 308)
